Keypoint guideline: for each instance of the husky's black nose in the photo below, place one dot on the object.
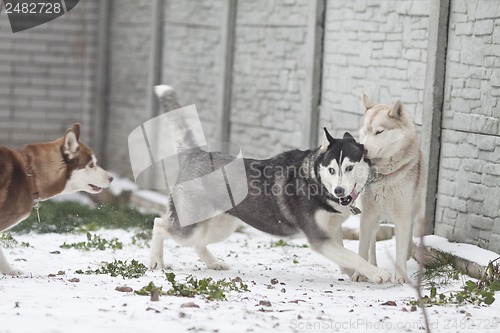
(339, 191)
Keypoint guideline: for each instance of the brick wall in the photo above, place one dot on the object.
(373, 47)
(268, 76)
(468, 204)
(47, 77)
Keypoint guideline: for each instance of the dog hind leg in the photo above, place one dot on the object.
(159, 235)
(209, 259)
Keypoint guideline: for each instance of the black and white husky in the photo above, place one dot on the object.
(314, 192)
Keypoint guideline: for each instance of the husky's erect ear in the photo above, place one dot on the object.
(397, 110)
(71, 145)
(348, 135)
(366, 102)
(76, 130)
(328, 136)
(327, 139)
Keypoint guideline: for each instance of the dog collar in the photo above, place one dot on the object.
(34, 189)
(377, 176)
(31, 176)
(352, 208)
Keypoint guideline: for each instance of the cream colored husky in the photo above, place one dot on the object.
(396, 193)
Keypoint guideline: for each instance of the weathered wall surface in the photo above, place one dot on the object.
(378, 47)
(373, 47)
(268, 76)
(47, 77)
(129, 60)
(191, 62)
(468, 205)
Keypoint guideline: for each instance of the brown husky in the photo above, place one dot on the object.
(40, 171)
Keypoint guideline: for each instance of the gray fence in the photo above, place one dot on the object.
(268, 75)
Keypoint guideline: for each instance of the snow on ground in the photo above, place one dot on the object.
(312, 293)
(465, 251)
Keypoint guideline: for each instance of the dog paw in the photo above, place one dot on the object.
(374, 274)
(218, 266)
(402, 279)
(358, 277)
(381, 276)
(156, 263)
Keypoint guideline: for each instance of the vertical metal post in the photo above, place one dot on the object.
(154, 75)
(102, 77)
(314, 58)
(433, 102)
(226, 56)
(155, 58)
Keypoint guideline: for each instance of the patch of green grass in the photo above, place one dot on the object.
(131, 270)
(148, 289)
(7, 241)
(211, 289)
(491, 274)
(283, 243)
(61, 217)
(142, 238)
(442, 270)
(470, 293)
(95, 242)
(207, 287)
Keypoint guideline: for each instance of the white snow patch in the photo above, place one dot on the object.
(311, 294)
(465, 251)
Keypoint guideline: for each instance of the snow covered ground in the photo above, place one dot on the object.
(311, 294)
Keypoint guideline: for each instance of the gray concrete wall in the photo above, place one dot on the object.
(47, 77)
(268, 76)
(468, 202)
(373, 47)
(379, 47)
(191, 49)
(129, 59)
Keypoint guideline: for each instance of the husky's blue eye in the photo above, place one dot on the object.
(331, 171)
(349, 168)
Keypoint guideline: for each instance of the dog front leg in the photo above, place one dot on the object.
(403, 234)
(6, 268)
(350, 260)
(367, 239)
(336, 235)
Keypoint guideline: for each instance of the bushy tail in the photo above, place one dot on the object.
(179, 129)
(167, 97)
